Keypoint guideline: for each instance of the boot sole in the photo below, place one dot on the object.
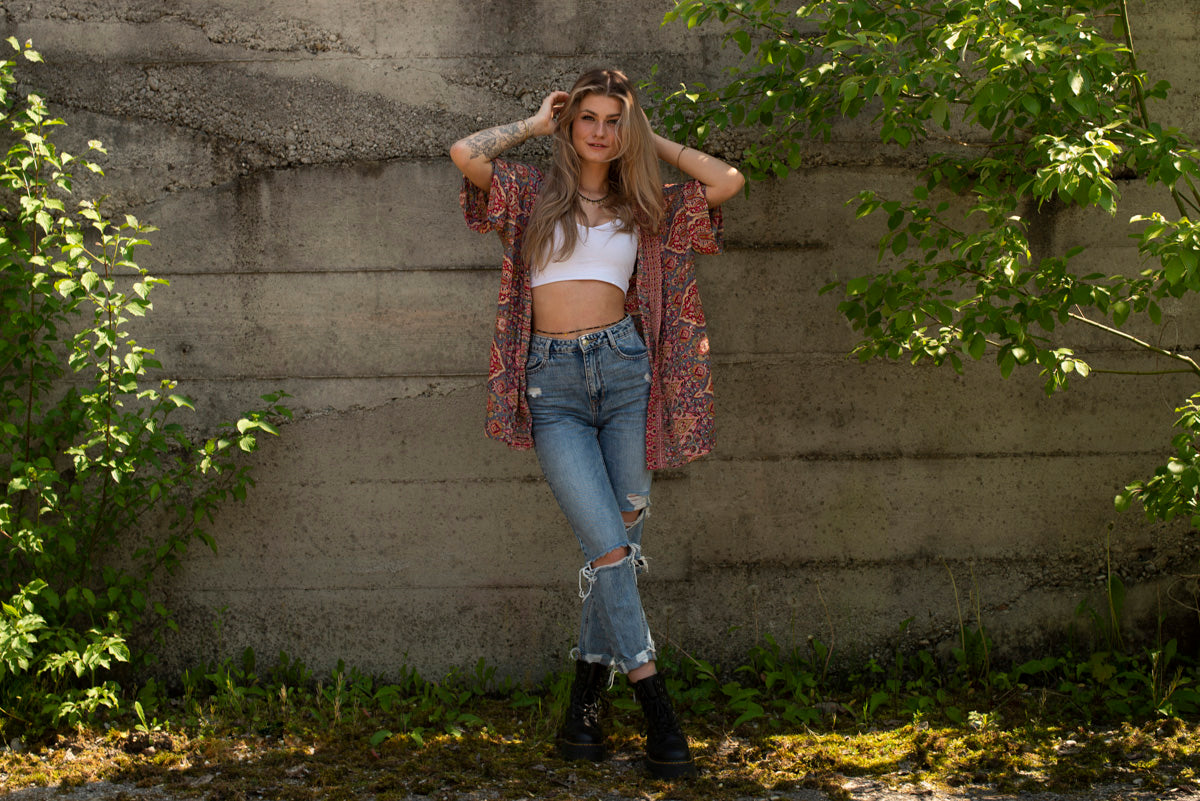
(671, 770)
(592, 752)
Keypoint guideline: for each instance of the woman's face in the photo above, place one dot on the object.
(594, 132)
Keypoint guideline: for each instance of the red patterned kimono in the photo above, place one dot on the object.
(663, 296)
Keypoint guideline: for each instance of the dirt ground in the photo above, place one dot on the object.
(853, 789)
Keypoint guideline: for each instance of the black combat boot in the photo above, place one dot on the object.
(667, 755)
(581, 736)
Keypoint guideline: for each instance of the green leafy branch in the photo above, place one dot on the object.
(1019, 110)
(104, 491)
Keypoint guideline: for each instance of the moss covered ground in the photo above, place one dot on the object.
(509, 753)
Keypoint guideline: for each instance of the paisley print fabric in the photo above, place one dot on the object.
(663, 296)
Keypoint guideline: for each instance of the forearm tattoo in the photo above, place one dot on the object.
(494, 141)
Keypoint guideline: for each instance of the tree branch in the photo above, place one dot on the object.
(1194, 367)
(1139, 372)
(1140, 97)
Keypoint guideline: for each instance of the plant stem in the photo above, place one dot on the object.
(1138, 95)
(1194, 367)
(1139, 372)
(34, 249)
(962, 626)
(110, 356)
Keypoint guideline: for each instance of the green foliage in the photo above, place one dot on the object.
(1017, 108)
(410, 706)
(104, 491)
(1173, 490)
(1025, 739)
(774, 690)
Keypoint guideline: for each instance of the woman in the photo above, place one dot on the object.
(601, 402)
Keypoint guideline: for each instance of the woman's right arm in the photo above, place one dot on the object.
(473, 154)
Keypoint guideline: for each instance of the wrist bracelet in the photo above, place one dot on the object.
(679, 158)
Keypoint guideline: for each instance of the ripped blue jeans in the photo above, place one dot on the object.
(587, 397)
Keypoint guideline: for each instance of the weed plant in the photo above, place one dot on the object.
(778, 720)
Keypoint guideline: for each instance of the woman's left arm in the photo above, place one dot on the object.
(721, 181)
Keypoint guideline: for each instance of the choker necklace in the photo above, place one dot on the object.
(596, 200)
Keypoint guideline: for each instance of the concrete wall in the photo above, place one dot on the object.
(293, 155)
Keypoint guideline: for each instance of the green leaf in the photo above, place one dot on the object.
(1155, 313)
(940, 112)
(742, 39)
(977, 346)
(1007, 363)
(1120, 312)
(1076, 81)
(1173, 270)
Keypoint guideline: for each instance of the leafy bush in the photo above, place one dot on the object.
(104, 490)
(1015, 107)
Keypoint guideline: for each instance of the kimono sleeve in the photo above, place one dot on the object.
(506, 205)
(693, 225)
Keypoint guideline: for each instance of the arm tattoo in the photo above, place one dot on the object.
(494, 141)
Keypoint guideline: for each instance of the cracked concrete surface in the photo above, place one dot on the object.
(293, 154)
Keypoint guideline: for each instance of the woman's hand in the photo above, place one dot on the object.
(545, 121)
(473, 155)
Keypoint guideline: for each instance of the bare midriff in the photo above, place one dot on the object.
(579, 307)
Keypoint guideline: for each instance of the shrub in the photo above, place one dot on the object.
(104, 490)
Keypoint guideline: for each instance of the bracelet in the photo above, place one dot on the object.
(679, 158)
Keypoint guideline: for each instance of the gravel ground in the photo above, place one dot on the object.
(857, 789)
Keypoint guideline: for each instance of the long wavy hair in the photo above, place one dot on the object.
(635, 187)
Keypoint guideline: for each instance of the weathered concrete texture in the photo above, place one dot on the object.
(293, 155)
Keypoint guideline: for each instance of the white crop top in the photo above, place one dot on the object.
(602, 253)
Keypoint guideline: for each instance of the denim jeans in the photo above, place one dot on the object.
(587, 397)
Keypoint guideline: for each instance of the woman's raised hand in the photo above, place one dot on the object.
(545, 121)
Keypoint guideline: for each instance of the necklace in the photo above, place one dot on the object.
(594, 200)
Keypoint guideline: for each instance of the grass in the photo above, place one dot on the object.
(510, 757)
(774, 724)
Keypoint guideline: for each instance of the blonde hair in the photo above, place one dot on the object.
(635, 187)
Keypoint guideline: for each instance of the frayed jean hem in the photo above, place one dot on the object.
(619, 665)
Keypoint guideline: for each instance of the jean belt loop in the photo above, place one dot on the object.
(610, 334)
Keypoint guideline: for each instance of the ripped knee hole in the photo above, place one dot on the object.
(631, 554)
(641, 508)
(612, 557)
